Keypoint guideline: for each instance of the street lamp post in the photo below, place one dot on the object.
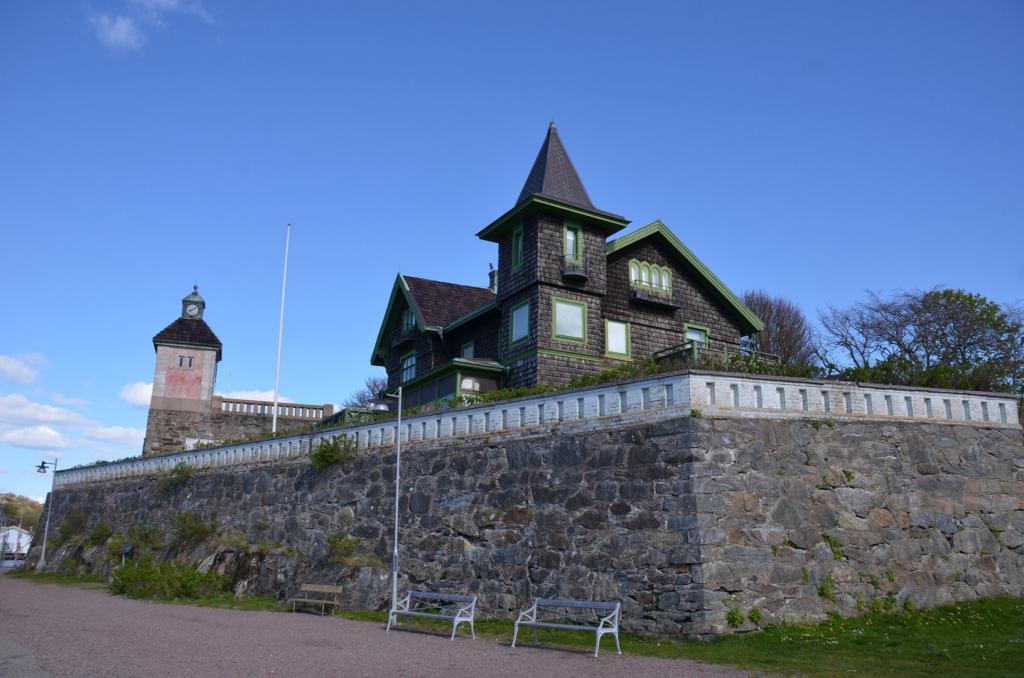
(43, 465)
(380, 406)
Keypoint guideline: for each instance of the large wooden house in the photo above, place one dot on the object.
(566, 299)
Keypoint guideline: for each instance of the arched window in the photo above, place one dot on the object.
(655, 277)
(645, 274)
(634, 271)
(666, 279)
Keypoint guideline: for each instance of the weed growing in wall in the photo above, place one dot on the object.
(754, 615)
(827, 588)
(72, 526)
(145, 536)
(835, 545)
(99, 534)
(331, 451)
(176, 479)
(190, 527)
(735, 618)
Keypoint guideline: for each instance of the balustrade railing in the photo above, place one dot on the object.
(263, 408)
(648, 399)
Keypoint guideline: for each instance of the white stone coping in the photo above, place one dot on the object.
(713, 393)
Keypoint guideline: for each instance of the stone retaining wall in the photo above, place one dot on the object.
(681, 518)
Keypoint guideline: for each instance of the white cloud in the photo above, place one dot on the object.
(35, 438)
(137, 393)
(118, 435)
(17, 409)
(16, 368)
(70, 402)
(155, 9)
(118, 32)
(266, 396)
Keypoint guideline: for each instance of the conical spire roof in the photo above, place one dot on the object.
(554, 176)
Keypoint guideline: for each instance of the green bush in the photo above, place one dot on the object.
(331, 451)
(177, 478)
(99, 534)
(143, 578)
(696, 414)
(145, 536)
(735, 618)
(754, 615)
(190, 527)
(341, 546)
(72, 526)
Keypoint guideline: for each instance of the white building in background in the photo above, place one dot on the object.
(14, 543)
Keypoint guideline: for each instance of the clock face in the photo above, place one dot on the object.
(192, 310)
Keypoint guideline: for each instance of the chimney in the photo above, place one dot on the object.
(492, 277)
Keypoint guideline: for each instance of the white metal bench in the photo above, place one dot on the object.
(593, 616)
(460, 609)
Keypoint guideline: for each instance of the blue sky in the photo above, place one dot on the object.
(813, 149)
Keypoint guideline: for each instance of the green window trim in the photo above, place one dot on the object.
(402, 367)
(512, 341)
(517, 247)
(628, 355)
(554, 320)
(471, 345)
(703, 328)
(576, 253)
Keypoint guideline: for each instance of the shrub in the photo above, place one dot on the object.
(72, 526)
(145, 536)
(735, 618)
(177, 478)
(331, 451)
(190, 527)
(99, 534)
(696, 414)
(908, 604)
(341, 546)
(143, 578)
(754, 615)
(805, 576)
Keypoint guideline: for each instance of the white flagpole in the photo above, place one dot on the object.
(280, 330)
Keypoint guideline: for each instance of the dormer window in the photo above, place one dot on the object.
(650, 277)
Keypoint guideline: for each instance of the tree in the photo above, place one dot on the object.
(787, 333)
(942, 338)
(374, 388)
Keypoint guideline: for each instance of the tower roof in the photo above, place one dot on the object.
(189, 332)
(553, 174)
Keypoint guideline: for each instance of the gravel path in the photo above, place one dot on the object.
(56, 630)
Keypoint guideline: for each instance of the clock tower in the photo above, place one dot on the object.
(187, 353)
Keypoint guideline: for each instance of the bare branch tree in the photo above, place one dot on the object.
(787, 333)
(373, 390)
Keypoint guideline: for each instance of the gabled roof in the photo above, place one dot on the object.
(553, 186)
(440, 303)
(189, 332)
(553, 174)
(749, 322)
(435, 304)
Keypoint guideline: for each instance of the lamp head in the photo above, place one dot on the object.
(41, 468)
(379, 406)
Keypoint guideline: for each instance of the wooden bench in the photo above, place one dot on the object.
(452, 606)
(317, 594)
(593, 616)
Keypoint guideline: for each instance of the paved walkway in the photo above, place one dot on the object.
(52, 630)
